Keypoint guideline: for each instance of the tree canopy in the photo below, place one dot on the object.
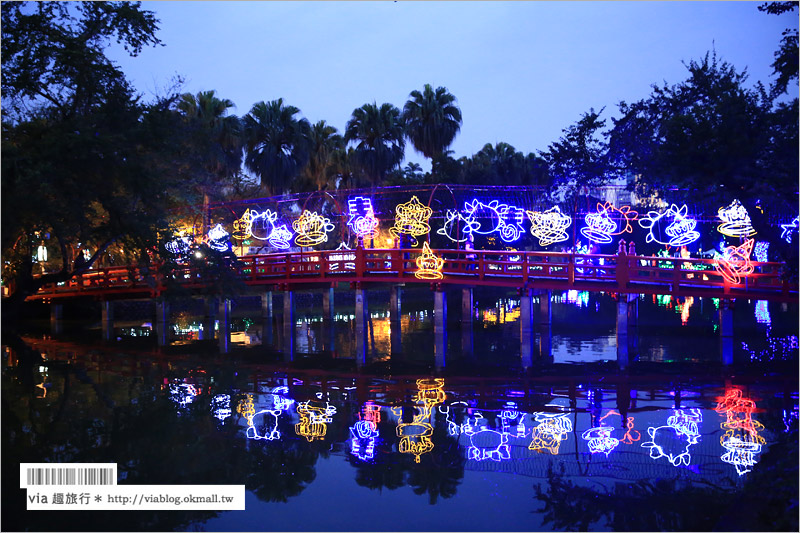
(432, 120)
(86, 166)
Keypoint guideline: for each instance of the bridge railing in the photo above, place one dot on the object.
(613, 272)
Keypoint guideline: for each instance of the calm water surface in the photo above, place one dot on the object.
(675, 441)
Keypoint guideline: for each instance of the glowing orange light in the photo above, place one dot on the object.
(430, 266)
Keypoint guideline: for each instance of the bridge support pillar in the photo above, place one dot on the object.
(624, 317)
(266, 318)
(327, 304)
(107, 319)
(209, 319)
(362, 316)
(440, 327)
(56, 319)
(545, 324)
(526, 332)
(161, 323)
(224, 325)
(633, 310)
(328, 324)
(395, 312)
(545, 308)
(467, 305)
(288, 326)
(726, 331)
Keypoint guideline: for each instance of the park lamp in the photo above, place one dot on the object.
(41, 253)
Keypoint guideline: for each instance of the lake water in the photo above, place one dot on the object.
(399, 442)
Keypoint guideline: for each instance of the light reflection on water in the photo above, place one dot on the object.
(453, 440)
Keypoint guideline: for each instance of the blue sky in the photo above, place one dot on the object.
(521, 71)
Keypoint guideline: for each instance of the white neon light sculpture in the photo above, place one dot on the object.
(681, 230)
(362, 217)
(311, 229)
(740, 451)
(510, 414)
(455, 220)
(600, 440)
(488, 444)
(218, 239)
(674, 440)
(411, 219)
(335, 260)
(180, 245)
(280, 403)
(549, 226)
(183, 393)
(786, 234)
(221, 406)
(735, 220)
(262, 226)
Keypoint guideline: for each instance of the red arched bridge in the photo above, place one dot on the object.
(511, 269)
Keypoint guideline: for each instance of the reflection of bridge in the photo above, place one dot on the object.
(534, 274)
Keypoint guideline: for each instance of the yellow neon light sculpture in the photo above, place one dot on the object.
(430, 266)
(415, 436)
(548, 435)
(311, 229)
(549, 226)
(242, 227)
(735, 262)
(246, 408)
(412, 218)
(314, 420)
(735, 221)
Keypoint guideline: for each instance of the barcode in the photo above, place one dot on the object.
(70, 476)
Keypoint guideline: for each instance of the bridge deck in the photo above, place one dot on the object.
(521, 270)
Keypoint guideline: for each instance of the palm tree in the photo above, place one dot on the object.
(216, 138)
(432, 119)
(276, 143)
(378, 134)
(324, 141)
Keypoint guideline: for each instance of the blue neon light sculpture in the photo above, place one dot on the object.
(761, 251)
(362, 439)
(788, 229)
(362, 219)
(485, 219)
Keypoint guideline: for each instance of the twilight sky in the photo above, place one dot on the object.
(521, 71)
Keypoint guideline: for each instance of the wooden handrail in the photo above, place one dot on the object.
(558, 270)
